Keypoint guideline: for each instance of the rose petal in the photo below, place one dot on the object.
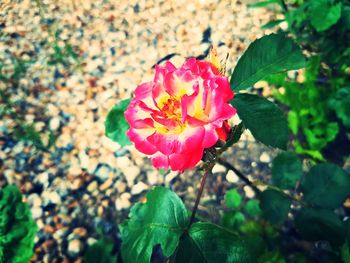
(139, 137)
(160, 161)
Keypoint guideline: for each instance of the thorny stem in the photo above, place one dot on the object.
(200, 191)
(292, 197)
(239, 174)
(255, 183)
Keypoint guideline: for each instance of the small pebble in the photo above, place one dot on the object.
(54, 124)
(265, 158)
(92, 187)
(231, 177)
(123, 202)
(138, 188)
(131, 173)
(107, 184)
(219, 169)
(75, 246)
(102, 172)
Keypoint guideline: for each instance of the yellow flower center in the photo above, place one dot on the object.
(171, 108)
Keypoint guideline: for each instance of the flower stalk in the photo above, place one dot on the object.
(200, 192)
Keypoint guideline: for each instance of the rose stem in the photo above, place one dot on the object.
(199, 195)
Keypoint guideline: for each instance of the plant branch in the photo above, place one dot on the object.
(255, 183)
(240, 175)
(200, 191)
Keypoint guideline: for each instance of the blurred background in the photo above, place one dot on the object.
(63, 65)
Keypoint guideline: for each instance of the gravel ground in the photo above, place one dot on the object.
(84, 183)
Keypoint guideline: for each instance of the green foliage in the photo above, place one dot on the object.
(116, 125)
(309, 111)
(161, 220)
(234, 136)
(272, 257)
(17, 228)
(263, 118)
(320, 224)
(233, 199)
(22, 131)
(347, 228)
(101, 250)
(272, 24)
(62, 52)
(206, 242)
(322, 28)
(323, 14)
(264, 3)
(270, 54)
(232, 219)
(345, 253)
(252, 208)
(26, 132)
(286, 170)
(340, 104)
(326, 185)
(275, 206)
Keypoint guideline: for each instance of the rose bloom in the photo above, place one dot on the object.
(180, 113)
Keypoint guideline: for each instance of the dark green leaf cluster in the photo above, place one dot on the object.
(311, 107)
(322, 28)
(268, 55)
(17, 228)
(340, 104)
(321, 191)
(163, 220)
(101, 250)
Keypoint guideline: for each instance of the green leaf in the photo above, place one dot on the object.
(234, 136)
(347, 228)
(161, 220)
(232, 220)
(272, 23)
(320, 224)
(233, 199)
(206, 242)
(326, 185)
(286, 170)
(275, 206)
(345, 253)
(272, 257)
(293, 122)
(27, 132)
(252, 207)
(341, 105)
(323, 14)
(263, 118)
(101, 251)
(251, 227)
(17, 228)
(270, 54)
(116, 125)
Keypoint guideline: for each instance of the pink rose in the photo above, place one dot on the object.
(180, 113)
